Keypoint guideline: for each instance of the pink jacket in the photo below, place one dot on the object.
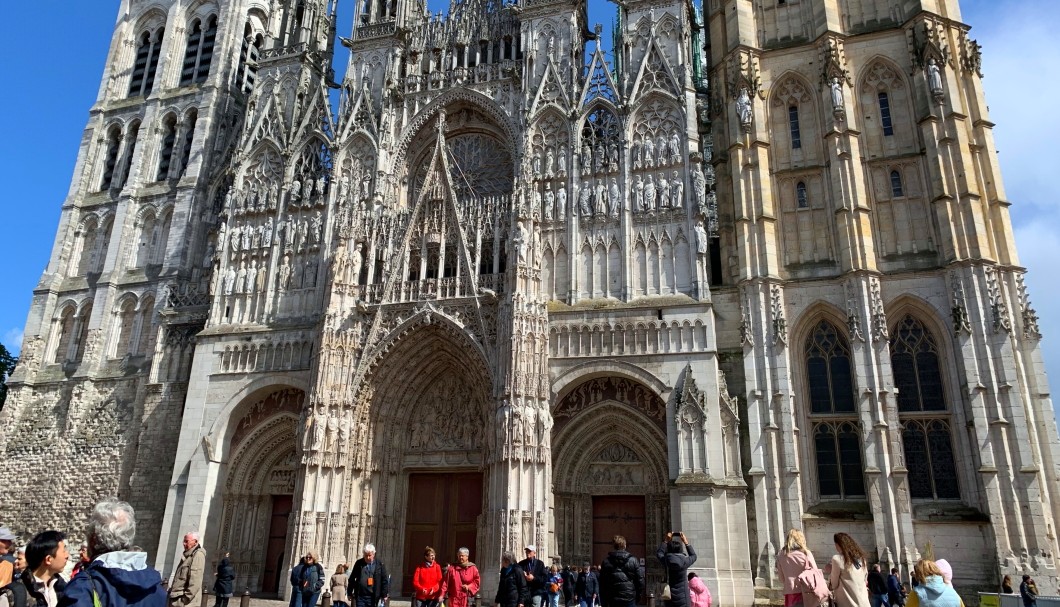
(700, 593)
(790, 566)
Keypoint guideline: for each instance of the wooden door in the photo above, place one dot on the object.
(619, 515)
(443, 511)
(277, 542)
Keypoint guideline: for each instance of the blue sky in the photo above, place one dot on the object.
(54, 78)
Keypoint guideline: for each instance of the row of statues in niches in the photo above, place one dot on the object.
(603, 156)
(258, 198)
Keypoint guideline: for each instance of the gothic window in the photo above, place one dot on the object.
(145, 327)
(896, 185)
(793, 123)
(485, 261)
(124, 324)
(111, 160)
(199, 52)
(189, 137)
(148, 235)
(91, 246)
(837, 446)
(922, 410)
(130, 151)
(800, 195)
(81, 333)
(828, 371)
(169, 138)
(885, 114)
(249, 52)
(148, 49)
(64, 332)
(158, 246)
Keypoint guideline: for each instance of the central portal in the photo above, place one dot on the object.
(618, 515)
(443, 512)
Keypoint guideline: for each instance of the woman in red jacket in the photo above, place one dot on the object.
(427, 580)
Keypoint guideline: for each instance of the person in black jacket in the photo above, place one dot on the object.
(569, 578)
(621, 581)
(587, 588)
(877, 587)
(308, 582)
(225, 584)
(369, 582)
(677, 556)
(536, 576)
(512, 591)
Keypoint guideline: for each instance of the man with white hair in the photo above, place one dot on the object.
(186, 588)
(369, 582)
(116, 576)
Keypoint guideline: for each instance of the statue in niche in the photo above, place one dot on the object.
(675, 148)
(229, 281)
(587, 158)
(660, 149)
(262, 270)
(536, 164)
(702, 241)
(561, 202)
(677, 191)
(562, 161)
(638, 194)
(296, 192)
(536, 200)
(309, 280)
(317, 429)
(246, 238)
(649, 194)
(222, 233)
(614, 198)
(601, 198)
(635, 151)
(612, 156)
(699, 185)
(744, 108)
(241, 277)
(332, 433)
(255, 242)
(550, 202)
(266, 233)
(355, 263)
(836, 88)
(520, 241)
(516, 426)
(550, 163)
(598, 157)
(664, 191)
(252, 277)
(649, 152)
(303, 234)
(584, 206)
(307, 190)
(344, 187)
(316, 229)
(344, 430)
(319, 186)
(934, 77)
(529, 426)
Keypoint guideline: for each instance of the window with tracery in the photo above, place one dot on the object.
(793, 124)
(249, 53)
(927, 435)
(189, 137)
(833, 415)
(130, 151)
(165, 155)
(885, 114)
(110, 161)
(148, 50)
(896, 185)
(479, 166)
(198, 54)
(801, 198)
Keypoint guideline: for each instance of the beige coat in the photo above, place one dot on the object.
(849, 584)
(187, 579)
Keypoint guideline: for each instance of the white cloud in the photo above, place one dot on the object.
(12, 340)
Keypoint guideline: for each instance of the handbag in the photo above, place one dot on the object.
(665, 592)
(811, 581)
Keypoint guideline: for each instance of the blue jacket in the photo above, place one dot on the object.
(121, 579)
(934, 592)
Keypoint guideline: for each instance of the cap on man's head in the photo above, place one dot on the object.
(530, 548)
(6, 535)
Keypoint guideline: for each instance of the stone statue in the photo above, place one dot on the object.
(344, 187)
(309, 280)
(677, 191)
(284, 274)
(635, 151)
(601, 198)
(536, 200)
(649, 194)
(262, 270)
(296, 192)
(664, 191)
(699, 184)
(675, 148)
(266, 235)
(583, 201)
(744, 109)
(614, 198)
(241, 278)
(562, 161)
(837, 94)
(587, 158)
(550, 163)
(246, 238)
(536, 164)
(561, 202)
(612, 156)
(649, 153)
(317, 429)
(934, 77)
(229, 281)
(255, 236)
(550, 202)
(638, 194)
(702, 242)
(307, 189)
(520, 241)
(660, 149)
(252, 277)
(355, 263)
(599, 154)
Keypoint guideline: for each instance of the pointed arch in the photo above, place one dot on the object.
(886, 102)
(795, 121)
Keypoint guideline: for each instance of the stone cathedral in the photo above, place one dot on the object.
(497, 284)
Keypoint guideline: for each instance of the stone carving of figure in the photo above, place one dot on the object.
(701, 238)
(583, 201)
(241, 278)
(612, 156)
(699, 184)
(246, 238)
(562, 161)
(561, 202)
(635, 152)
(355, 264)
(520, 241)
(601, 198)
(599, 157)
(587, 158)
(261, 277)
(303, 230)
(332, 434)
(266, 235)
(536, 164)
(344, 187)
(677, 191)
(317, 429)
(344, 430)
(256, 236)
(649, 152)
(550, 162)
(934, 77)
(535, 196)
(660, 150)
(307, 189)
(649, 194)
(614, 198)
(252, 277)
(675, 148)
(319, 186)
(638, 194)
(229, 281)
(744, 109)
(309, 280)
(222, 233)
(550, 202)
(296, 192)
(664, 191)
(837, 94)
(284, 274)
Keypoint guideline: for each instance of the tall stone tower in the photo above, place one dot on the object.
(490, 288)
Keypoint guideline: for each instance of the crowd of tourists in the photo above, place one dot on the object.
(111, 571)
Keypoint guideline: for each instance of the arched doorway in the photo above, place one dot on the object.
(259, 489)
(610, 470)
(424, 481)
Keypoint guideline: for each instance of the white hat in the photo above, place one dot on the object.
(531, 548)
(6, 535)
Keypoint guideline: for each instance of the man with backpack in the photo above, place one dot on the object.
(39, 584)
(621, 582)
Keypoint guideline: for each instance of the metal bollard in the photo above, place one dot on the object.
(475, 600)
(651, 599)
(244, 601)
(326, 601)
(205, 597)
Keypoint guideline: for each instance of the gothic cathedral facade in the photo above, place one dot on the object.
(495, 285)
